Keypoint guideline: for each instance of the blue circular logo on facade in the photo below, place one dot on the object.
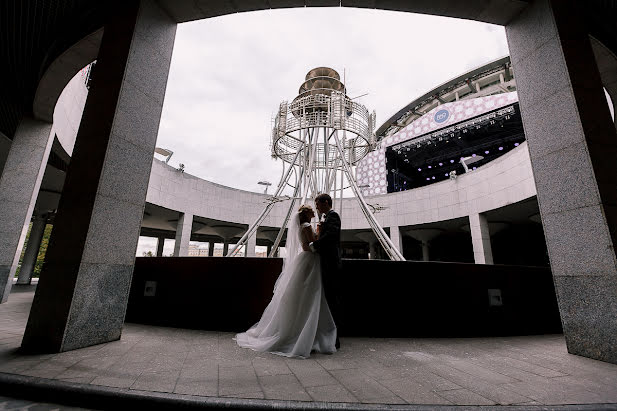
(441, 116)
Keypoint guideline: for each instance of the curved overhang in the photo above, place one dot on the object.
(606, 61)
(61, 71)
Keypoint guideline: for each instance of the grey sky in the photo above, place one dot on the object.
(229, 74)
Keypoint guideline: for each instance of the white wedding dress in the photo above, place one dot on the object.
(297, 320)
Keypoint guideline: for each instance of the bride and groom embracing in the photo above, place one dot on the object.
(301, 315)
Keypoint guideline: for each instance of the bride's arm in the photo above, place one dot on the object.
(309, 234)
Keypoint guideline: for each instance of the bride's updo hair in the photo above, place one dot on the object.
(304, 212)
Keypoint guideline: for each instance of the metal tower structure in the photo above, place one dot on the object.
(321, 136)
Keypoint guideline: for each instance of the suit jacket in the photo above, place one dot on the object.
(328, 245)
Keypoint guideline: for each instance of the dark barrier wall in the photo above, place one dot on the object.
(380, 298)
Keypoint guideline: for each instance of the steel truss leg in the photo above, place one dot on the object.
(381, 235)
(266, 211)
(279, 236)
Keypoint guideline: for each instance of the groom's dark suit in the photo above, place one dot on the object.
(328, 245)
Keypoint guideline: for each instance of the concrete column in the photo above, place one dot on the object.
(573, 149)
(426, 255)
(160, 246)
(32, 250)
(210, 248)
(251, 243)
(369, 237)
(183, 235)
(397, 238)
(225, 247)
(480, 239)
(84, 286)
(424, 236)
(19, 187)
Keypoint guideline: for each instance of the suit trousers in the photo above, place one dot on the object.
(331, 280)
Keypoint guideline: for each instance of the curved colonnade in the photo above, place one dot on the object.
(504, 181)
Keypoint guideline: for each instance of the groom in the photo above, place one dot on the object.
(328, 245)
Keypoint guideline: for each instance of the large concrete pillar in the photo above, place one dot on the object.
(32, 249)
(183, 235)
(160, 245)
(84, 286)
(19, 187)
(210, 248)
(480, 239)
(573, 150)
(251, 243)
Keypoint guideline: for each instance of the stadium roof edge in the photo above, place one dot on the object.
(435, 91)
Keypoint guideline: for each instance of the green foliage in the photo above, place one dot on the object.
(41, 256)
(148, 254)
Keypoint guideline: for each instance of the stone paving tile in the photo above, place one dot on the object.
(45, 369)
(556, 391)
(434, 382)
(387, 373)
(79, 380)
(119, 375)
(19, 365)
(525, 370)
(283, 387)
(331, 393)
(198, 378)
(229, 354)
(478, 371)
(208, 349)
(608, 392)
(270, 366)
(171, 361)
(310, 373)
(159, 381)
(504, 365)
(259, 395)
(331, 362)
(414, 392)
(86, 368)
(465, 397)
(492, 390)
(238, 380)
(364, 387)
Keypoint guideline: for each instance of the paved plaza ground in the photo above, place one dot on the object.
(526, 371)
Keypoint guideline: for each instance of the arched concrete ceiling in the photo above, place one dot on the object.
(37, 32)
(489, 11)
(607, 65)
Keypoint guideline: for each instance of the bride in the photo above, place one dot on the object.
(297, 320)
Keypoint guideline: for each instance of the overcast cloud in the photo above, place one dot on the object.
(229, 75)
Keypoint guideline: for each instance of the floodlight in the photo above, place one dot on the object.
(164, 152)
